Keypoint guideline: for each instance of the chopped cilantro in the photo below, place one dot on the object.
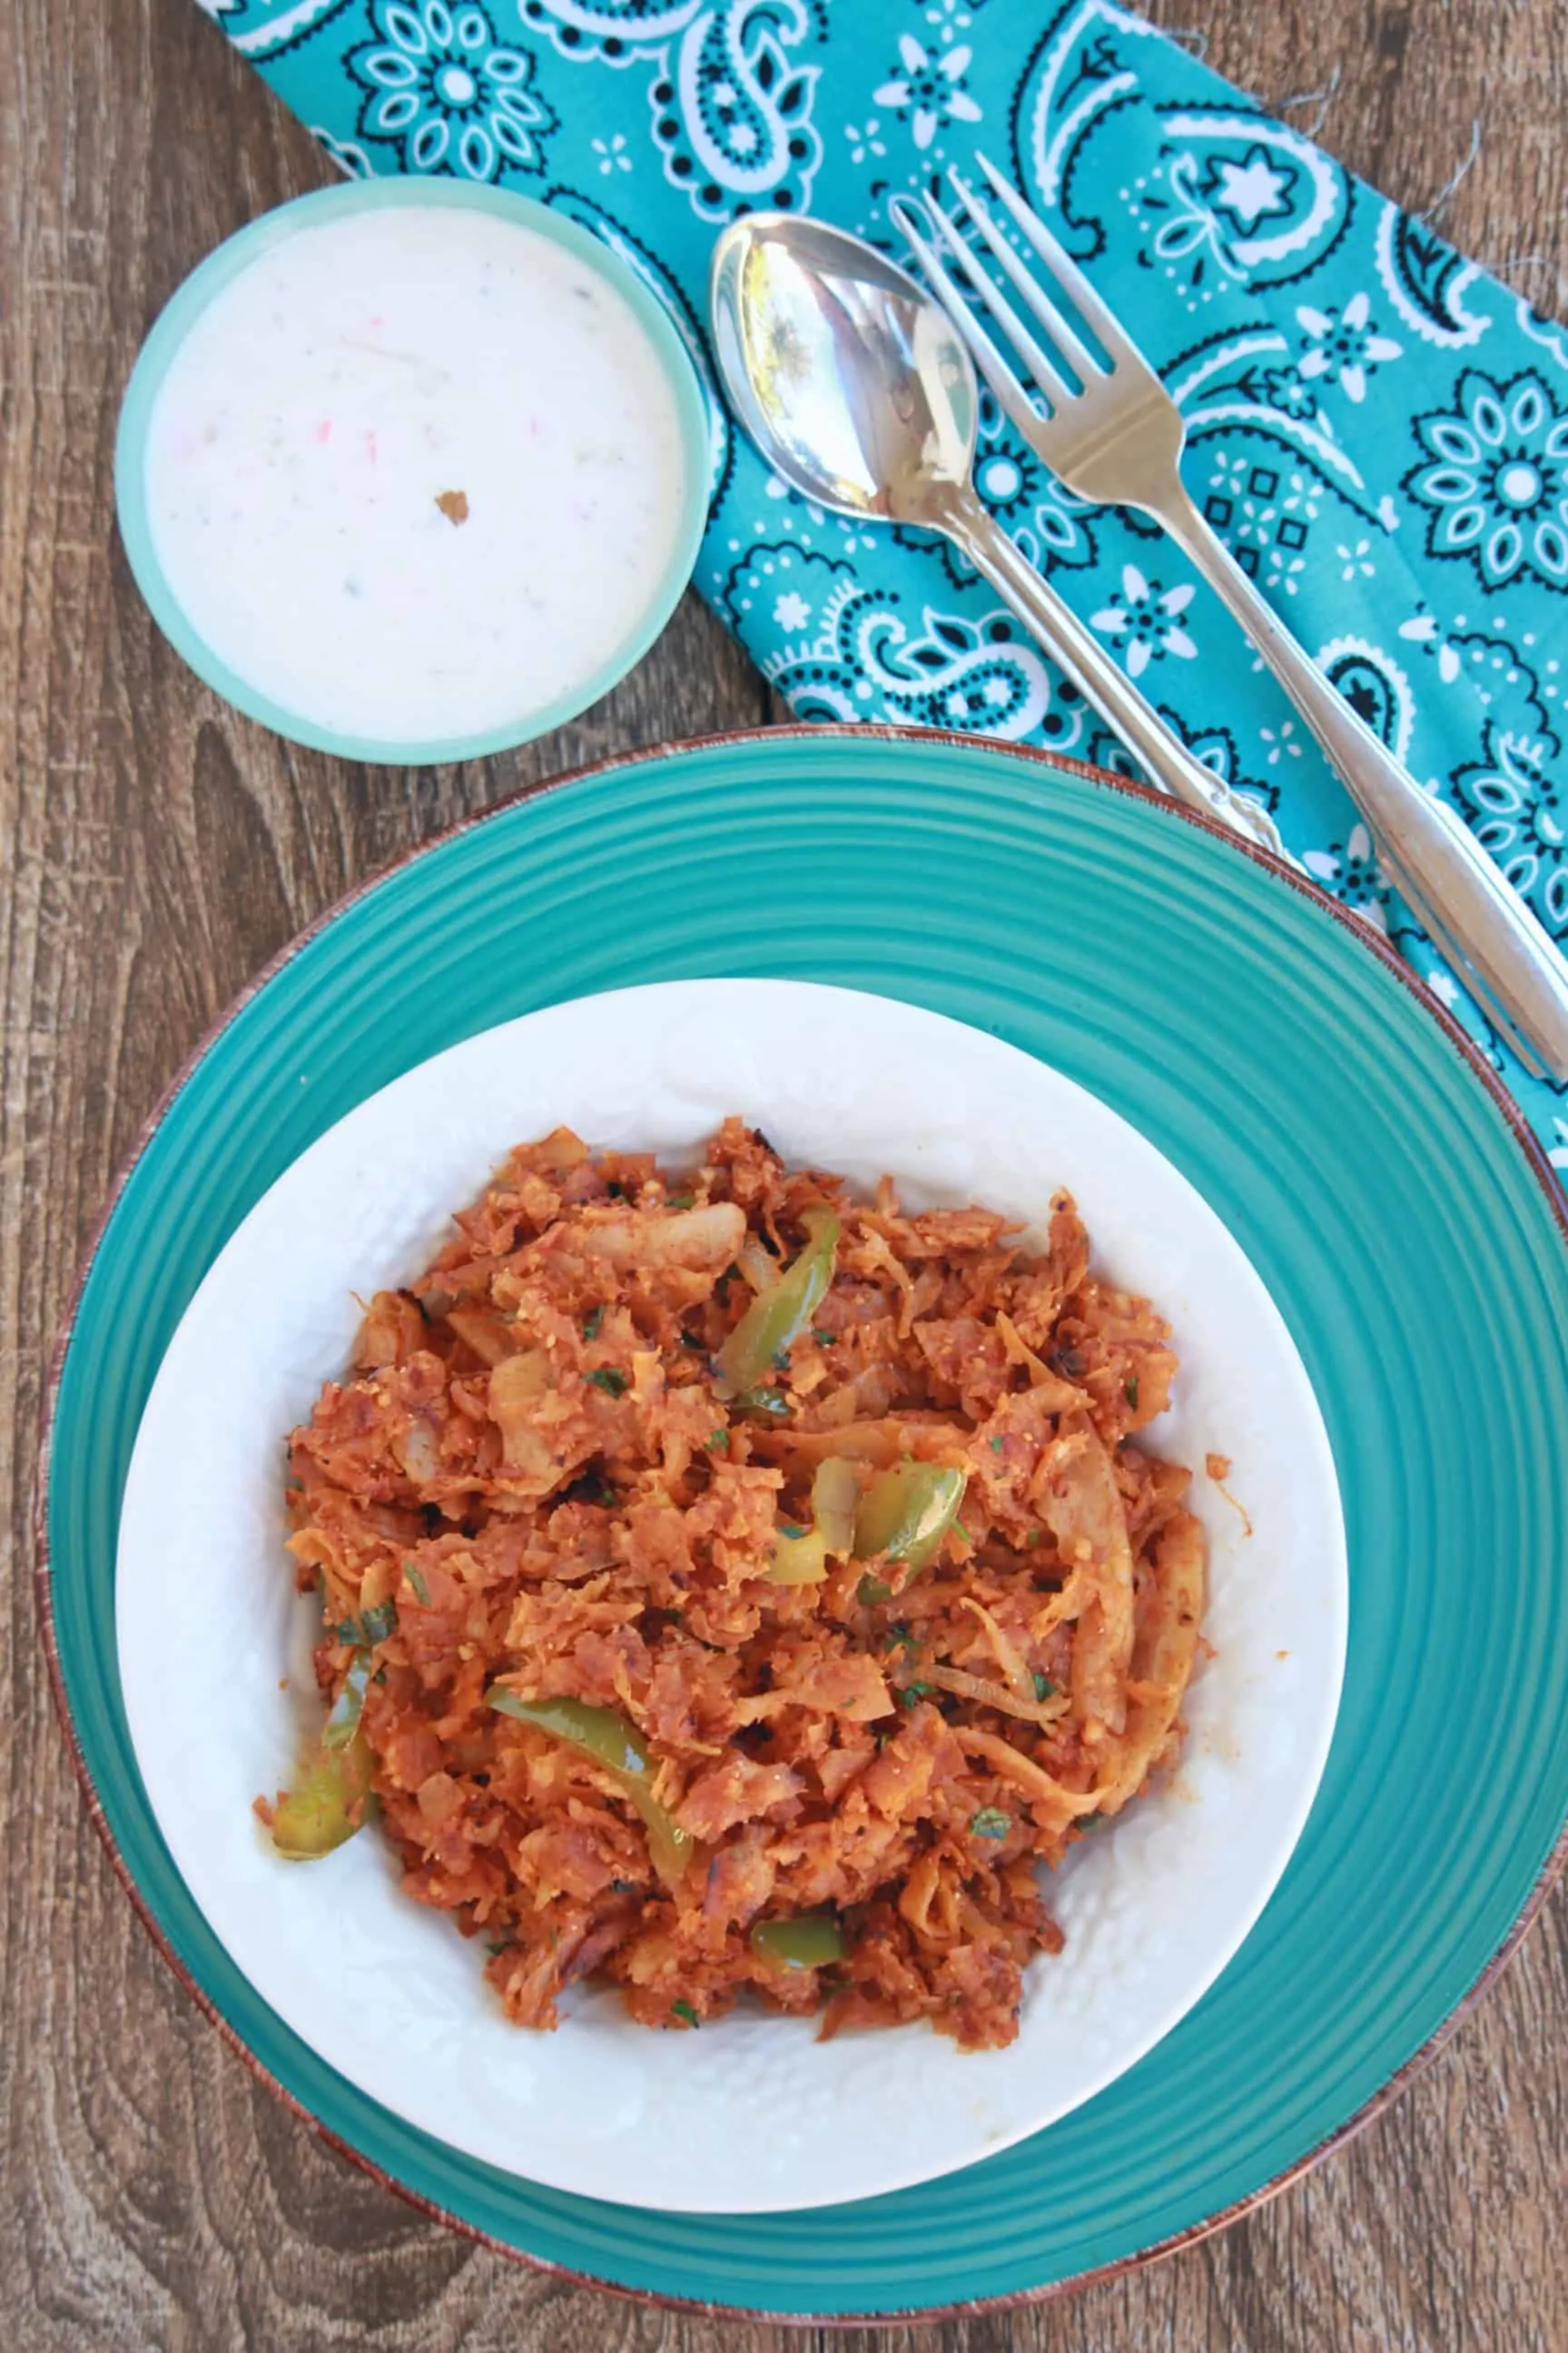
(678, 1201)
(1032, 1538)
(684, 2010)
(910, 1693)
(719, 1443)
(997, 1446)
(1130, 1392)
(495, 1951)
(606, 1378)
(346, 1630)
(990, 1822)
(823, 1339)
(1044, 1687)
(377, 1624)
(871, 1590)
(781, 1360)
(900, 1637)
(788, 1528)
(591, 1324)
(417, 1582)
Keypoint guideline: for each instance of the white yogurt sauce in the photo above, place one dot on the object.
(415, 473)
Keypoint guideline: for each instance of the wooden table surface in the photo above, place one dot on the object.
(154, 850)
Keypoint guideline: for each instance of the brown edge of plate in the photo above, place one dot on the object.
(1373, 942)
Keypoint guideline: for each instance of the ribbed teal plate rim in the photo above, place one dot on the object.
(1408, 1230)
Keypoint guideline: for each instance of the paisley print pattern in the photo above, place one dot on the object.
(1378, 430)
(442, 91)
(730, 104)
(1497, 487)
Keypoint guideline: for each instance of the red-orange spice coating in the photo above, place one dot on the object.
(899, 1750)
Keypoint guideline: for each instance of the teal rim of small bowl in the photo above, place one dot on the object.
(236, 255)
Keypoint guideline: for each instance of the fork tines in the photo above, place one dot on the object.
(912, 216)
(1070, 364)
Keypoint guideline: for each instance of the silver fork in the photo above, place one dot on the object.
(1117, 440)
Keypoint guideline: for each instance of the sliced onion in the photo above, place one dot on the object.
(1009, 1657)
(798, 1561)
(835, 1495)
(756, 1265)
(1042, 1711)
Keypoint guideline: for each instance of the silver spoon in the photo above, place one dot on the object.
(860, 394)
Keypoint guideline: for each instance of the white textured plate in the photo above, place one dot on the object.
(752, 2114)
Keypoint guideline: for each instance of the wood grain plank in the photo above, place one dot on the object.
(155, 848)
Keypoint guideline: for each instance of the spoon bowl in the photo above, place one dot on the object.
(846, 374)
(860, 394)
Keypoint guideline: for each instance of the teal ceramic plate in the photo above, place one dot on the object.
(1370, 1168)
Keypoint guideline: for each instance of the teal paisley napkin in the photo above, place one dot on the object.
(1378, 429)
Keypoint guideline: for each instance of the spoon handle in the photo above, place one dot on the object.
(1099, 679)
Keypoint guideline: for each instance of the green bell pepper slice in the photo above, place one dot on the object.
(801, 1556)
(603, 1735)
(331, 1800)
(810, 1941)
(779, 1314)
(762, 1404)
(331, 1797)
(905, 1513)
(344, 1716)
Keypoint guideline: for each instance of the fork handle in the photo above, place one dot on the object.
(1098, 678)
(1458, 895)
